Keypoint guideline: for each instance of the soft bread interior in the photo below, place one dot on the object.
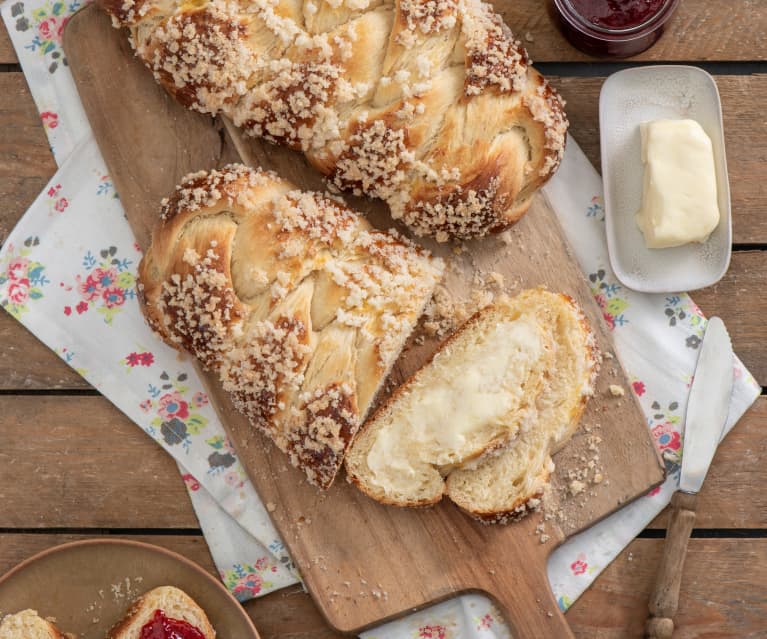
(483, 418)
(506, 484)
(175, 603)
(27, 624)
(472, 398)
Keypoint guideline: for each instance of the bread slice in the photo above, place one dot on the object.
(27, 624)
(475, 395)
(504, 486)
(175, 604)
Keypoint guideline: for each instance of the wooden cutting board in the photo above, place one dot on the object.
(364, 562)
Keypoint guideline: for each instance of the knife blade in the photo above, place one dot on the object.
(707, 406)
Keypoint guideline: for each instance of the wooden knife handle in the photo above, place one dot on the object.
(665, 596)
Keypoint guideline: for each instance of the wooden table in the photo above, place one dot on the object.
(127, 486)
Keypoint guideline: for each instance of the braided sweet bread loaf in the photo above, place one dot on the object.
(291, 298)
(430, 105)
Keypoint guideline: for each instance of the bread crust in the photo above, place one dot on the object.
(26, 621)
(429, 105)
(145, 606)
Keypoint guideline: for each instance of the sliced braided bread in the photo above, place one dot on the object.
(471, 399)
(291, 298)
(485, 413)
(430, 105)
(505, 485)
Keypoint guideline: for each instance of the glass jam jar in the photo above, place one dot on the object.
(616, 28)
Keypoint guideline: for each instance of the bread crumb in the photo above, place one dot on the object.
(576, 487)
(497, 278)
(617, 391)
(271, 506)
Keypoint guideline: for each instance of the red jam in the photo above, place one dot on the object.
(615, 28)
(617, 14)
(162, 627)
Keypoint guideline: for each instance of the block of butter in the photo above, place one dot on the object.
(679, 198)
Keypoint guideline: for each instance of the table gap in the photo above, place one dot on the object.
(66, 530)
(48, 392)
(600, 68)
(709, 533)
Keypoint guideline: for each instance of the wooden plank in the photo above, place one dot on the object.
(728, 498)
(7, 54)
(25, 140)
(103, 66)
(745, 140)
(724, 592)
(152, 495)
(700, 30)
(26, 165)
(24, 150)
(17, 547)
(78, 462)
(28, 364)
(716, 601)
(739, 299)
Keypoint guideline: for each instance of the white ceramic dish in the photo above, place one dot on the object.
(649, 93)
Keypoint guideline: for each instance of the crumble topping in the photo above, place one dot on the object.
(202, 56)
(460, 214)
(262, 349)
(494, 58)
(360, 115)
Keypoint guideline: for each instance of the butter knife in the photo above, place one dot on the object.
(707, 408)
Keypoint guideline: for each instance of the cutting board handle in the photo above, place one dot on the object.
(529, 606)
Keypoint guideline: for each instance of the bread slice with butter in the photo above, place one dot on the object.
(499, 395)
(506, 485)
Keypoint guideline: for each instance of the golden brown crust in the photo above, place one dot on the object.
(158, 598)
(281, 292)
(430, 105)
(28, 623)
(518, 510)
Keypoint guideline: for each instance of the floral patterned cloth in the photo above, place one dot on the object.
(67, 272)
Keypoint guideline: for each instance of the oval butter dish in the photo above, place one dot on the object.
(628, 99)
